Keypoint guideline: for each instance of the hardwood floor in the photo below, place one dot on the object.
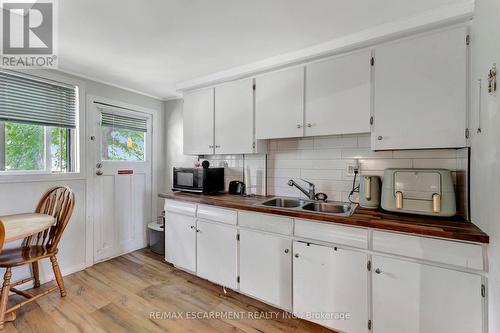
(135, 293)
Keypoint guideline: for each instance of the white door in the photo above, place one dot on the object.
(121, 179)
(279, 104)
(180, 240)
(198, 122)
(414, 298)
(330, 287)
(266, 268)
(216, 253)
(420, 97)
(338, 95)
(234, 118)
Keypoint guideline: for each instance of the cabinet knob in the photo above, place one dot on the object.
(197, 230)
(287, 250)
(380, 137)
(299, 126)
(297, 255)
(378, 271)
(217, 146)
(210, 146)
(309, 125)
(192, 227)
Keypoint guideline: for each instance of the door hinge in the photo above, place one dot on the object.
(369, 265)
(467, 40)
(237, 237)
(483, 290)
(467, 133)
(371, 120)
(238, 279)
(369, 325)
(372, 61)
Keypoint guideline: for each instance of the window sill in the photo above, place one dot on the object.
(39, 176)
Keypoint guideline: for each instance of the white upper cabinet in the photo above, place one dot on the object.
(420, 92)
(199, 122)
(234, 120)
(414, 298)
(338, 95)
(279, 104)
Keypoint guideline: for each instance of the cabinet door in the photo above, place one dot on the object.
(234, 118)
(420, 93)
(338, 95)
(180, 240)
(414, 298)
(332, 283)
(266, 268)
(279, 104)
(198, 122)
(216, 253)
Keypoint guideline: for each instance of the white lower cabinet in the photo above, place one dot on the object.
(416, 298)
(266, 267)
(180, 240)
(330, 287)
(216, 253)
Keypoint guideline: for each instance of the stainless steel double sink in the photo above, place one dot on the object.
(324, 207)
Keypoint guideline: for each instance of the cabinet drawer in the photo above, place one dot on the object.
(327, 232)
(265, 222)
(443, 251)
(180, 207)
(217, 214)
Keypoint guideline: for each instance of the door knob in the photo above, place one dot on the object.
(98, 172)
(98, 165)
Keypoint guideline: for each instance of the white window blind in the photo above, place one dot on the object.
(120, 121)
(27, 99)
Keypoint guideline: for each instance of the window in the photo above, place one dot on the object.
(37, 124)
(123, 137)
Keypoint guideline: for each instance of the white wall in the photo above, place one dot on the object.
(18, 196)
(485, 149)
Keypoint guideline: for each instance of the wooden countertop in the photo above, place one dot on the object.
(451, 228)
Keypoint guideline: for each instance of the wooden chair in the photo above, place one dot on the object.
(59, 203)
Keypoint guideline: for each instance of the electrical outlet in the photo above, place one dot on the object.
(352, 168)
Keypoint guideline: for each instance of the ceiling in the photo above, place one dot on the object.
(150, 46)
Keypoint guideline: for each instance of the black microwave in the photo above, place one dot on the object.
(198, 180)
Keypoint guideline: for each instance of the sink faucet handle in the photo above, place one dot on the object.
(306, 181)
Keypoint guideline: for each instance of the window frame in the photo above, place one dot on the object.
(47, 175)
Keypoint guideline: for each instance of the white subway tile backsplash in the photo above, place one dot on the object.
(324, 161)
(439, 163)
(382, 164)
(360, 153)
(336, 142)
(426, 153)
(321, 154)
(321, 174)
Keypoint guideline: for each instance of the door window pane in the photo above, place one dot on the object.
(122, 144)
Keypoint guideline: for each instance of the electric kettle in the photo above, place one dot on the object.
(369, 191)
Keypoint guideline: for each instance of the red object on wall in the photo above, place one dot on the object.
(125, 172)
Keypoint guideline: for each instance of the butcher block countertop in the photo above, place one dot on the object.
(451, 228)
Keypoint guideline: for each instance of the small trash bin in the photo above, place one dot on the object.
(156, 237)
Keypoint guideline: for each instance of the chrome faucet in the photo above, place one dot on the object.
(311, 193)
